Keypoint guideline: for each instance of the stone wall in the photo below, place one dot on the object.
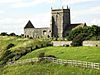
(61, 43)
(37, 32)
(91, 43)
(28, 32)
(85, 43)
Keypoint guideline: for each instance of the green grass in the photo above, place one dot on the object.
(6, 40)
(75, 53)
(47, 69)
(21, 44)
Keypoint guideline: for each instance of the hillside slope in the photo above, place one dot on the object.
(75, 53)
(23, 45)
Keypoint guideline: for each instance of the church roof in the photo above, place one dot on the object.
(71, 26)
(29, 25)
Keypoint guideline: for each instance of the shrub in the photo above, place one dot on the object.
(40, 57)
(77, 41)
(6, 56)
(4, 34)
(12, 34)
(9, 46)
(17, 56)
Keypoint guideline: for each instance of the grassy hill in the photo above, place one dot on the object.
(23, 45)
(5, 41)
(46, 69)
(75, 53)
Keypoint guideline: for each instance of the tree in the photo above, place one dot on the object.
(77, 41)
(12, 34)
(74, 33)
(91, 31)
(9, 46)
(3, 34)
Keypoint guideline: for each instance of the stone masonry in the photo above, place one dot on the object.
(59, 28)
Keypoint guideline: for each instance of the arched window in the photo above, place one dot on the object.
(44, 32)
(27, 35)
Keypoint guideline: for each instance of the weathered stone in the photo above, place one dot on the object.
(60, 26)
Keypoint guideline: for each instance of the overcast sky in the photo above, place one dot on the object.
(14, 14)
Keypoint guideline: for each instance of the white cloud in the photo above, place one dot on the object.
(8, 1)
(24, 3)
(95, 21)
(40, 19)
(27, 4)
(1, 11)
(83, 12)
(30, 3)
(17, 23)
(94, 10)
(64, 2)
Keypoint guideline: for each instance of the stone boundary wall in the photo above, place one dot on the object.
(91, 43)
(68, 43)
(61, 43)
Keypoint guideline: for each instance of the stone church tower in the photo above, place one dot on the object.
(59, 28)
(60, 19)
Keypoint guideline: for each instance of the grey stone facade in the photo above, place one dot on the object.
(60, 25)
(61, 43)
(37, 32)
(91, 43)
(59, 21)
(31, 31)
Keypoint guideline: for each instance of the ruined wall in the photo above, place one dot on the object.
(85, 43)
(61, 43)
(28, 32)
(37, 32)
(91, 43)
(41, 32)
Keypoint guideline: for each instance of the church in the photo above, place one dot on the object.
(60, 25)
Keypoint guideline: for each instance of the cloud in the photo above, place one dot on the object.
(30, 3)
(9, 1)
(94, 10)
(1, 11)
(17, 23)
(40, 19)
(90, 11)
(64, 2)
(24, 3)
(95, 21)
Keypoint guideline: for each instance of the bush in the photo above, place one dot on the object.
(77, 41)
(10, 45)
(12, 34)
(40, 57)
(17, 56)
(6, 56)
(3, 34)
